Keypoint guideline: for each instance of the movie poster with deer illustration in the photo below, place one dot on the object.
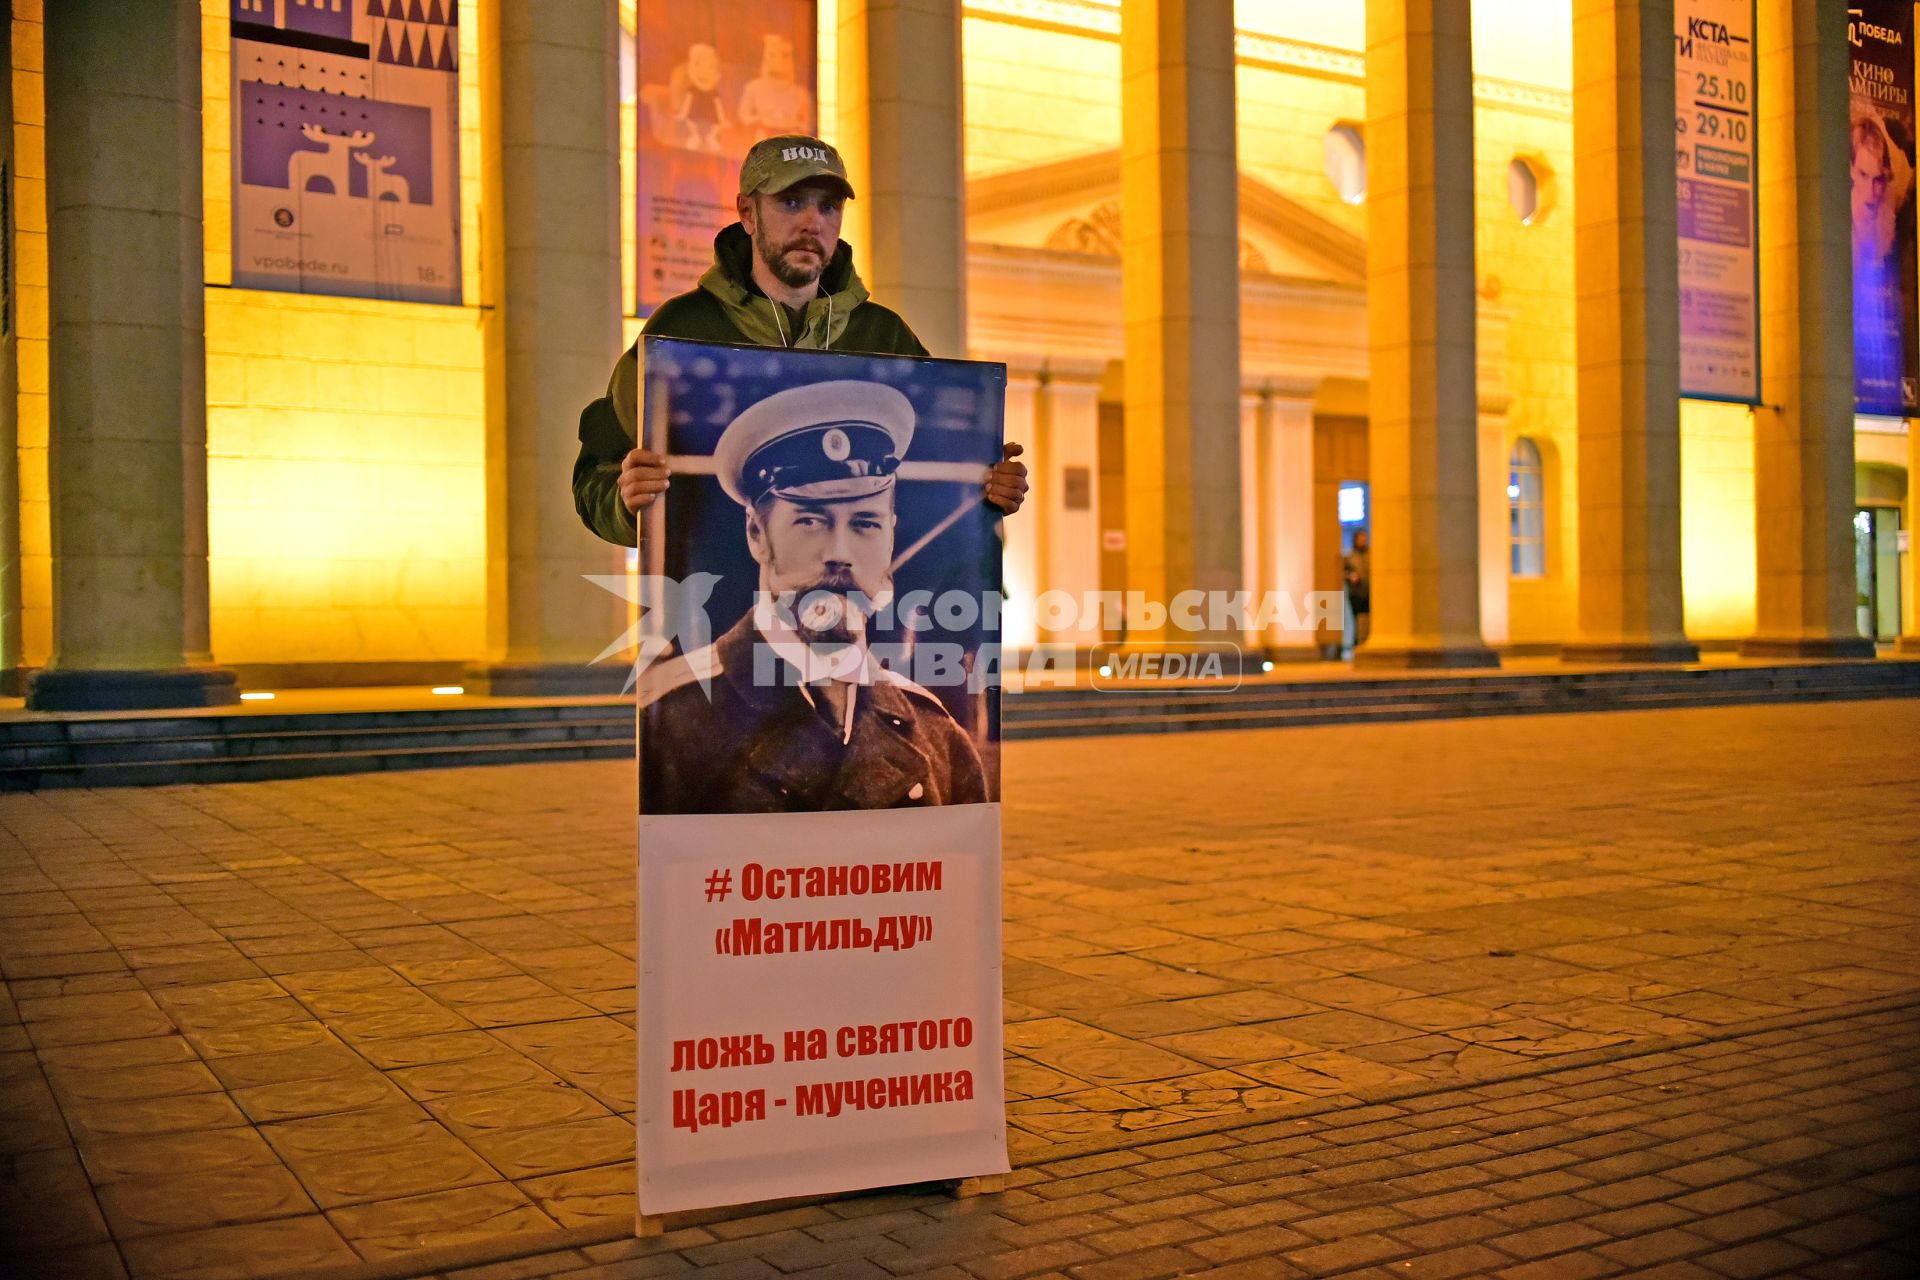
(346, 124)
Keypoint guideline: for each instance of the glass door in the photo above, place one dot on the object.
(1876, 562)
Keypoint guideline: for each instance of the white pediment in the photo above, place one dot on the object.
(1073, 206)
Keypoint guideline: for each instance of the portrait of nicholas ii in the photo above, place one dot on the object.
(789, 710)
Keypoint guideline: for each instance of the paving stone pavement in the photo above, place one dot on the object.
(255, 1029)
(1790, 1152)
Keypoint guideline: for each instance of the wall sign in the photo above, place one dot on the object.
(346, 129)
(1714, 150)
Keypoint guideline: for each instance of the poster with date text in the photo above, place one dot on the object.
(819, 869)
(713, 78)
(1714, 149)
(346, 147)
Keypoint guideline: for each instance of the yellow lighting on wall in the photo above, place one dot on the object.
(1717, 531)
(30, 330)
(345, 441)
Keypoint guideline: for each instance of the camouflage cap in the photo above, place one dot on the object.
(775, 164)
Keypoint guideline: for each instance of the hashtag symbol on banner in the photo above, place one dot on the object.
(719, 884)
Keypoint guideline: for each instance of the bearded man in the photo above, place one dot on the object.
(789, 710)
(781, 277)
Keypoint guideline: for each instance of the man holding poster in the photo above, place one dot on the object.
(819, 833)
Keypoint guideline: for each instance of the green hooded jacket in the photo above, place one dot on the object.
(726, 307)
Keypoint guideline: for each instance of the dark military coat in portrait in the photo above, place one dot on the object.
(768, 749)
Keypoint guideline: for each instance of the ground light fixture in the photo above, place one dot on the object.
(448, 690)
(256, 696)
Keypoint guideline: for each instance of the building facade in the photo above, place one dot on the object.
(1261, 273)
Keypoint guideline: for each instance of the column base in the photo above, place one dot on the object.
(1816, 647)
(546, 679)
(58, 689)
(1672, 651)
(1436, 658)
(1909, 644)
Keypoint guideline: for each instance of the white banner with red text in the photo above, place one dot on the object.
(819, 1003)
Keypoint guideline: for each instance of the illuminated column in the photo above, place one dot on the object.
(549, 177)
(1253, 509)
(1284, 463)
(1423, 404)
(1023, 544)
(900, 134)
(1803, 430)
(127, 360)
(1627, 334)
(1180, 259)
(1496, 531)
(1910, 608)
(1068, 490)
(10, 628)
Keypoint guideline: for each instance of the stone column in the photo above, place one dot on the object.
(1496, 532)
(1910, 608)
(1803, 432)
(1068, 492)
(1022, 538)
(1284, 458)
(550, 272)
(1180, 260)
(11, 677)
(1423, 405)
(1253, 511)
(1627, 326)
(127, 360)
(900, 134)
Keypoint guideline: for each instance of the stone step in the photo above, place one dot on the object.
(1863, 673)
(1555, 690)
(224, 746)
(1299, 716)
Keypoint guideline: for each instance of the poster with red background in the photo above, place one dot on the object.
(714, 77)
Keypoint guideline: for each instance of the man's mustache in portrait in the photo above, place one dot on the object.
(826, 611)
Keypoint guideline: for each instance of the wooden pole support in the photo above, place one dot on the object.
(984, 1185)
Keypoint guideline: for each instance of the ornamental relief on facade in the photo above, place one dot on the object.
(1098, 234)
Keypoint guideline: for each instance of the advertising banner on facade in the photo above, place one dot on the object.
(346, 147)
(715, 77)
(1714, 120)
(1886, 292)
(819, 832)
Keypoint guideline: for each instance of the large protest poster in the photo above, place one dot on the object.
(1886, 291)
(346, 147)
(715, 77)
(1714, 128)
(819, 831)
